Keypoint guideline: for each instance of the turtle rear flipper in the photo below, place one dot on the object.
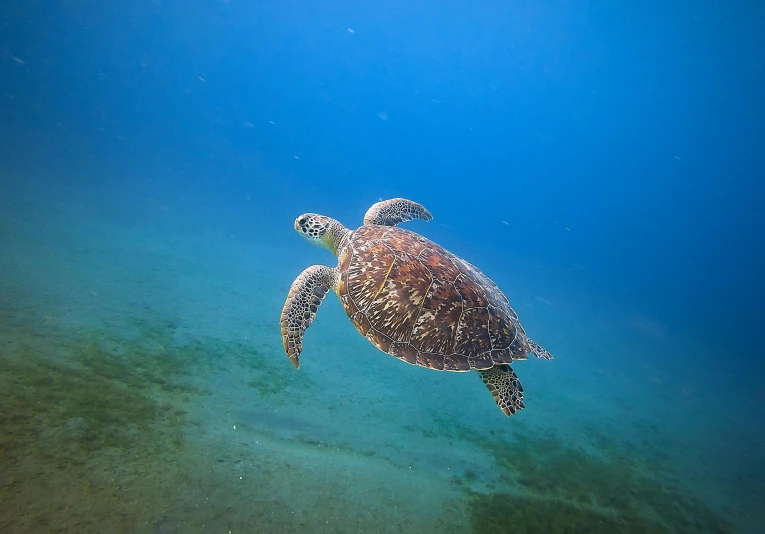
(538, 351)
(505, 387)
(303, 301)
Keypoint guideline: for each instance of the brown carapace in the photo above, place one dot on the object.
(412, 299)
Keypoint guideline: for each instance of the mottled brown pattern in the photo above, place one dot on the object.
(472, 333)
(361, 322)
(472, 295)
(439, 261)
(503, 332)
(345, 297)
(342, 289)
(379, 340)
(409, 243)
(456, 363)
(499, 301)
(344, 259)
(435, 329)
(507, 356)
(367, 272)
(431, 309)
(491, 290)
(397, 306)
(370, 233)
(481, 361)
(404, 351)
(432, 360)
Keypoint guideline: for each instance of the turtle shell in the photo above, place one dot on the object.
(417, 301)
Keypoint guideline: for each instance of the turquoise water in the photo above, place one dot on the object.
(153, 158)
(145, 389)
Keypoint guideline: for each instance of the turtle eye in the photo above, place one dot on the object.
(301, 221)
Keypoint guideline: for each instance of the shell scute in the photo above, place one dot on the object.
(472, 294)
(456, 363)
(503, 329)
(472, 332)
(481, 361)
(436, 327)
(367, 272)
(379, 340)
(404, 351)
(439, 262)
(361, 322)
(431, 359)
(506, 355)
(409, 243)
(397, 305)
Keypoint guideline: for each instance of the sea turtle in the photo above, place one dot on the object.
(412, 299)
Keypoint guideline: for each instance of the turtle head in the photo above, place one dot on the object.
(320, 230)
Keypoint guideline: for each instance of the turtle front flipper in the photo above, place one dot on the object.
(505, 387)
(303, 300)
(394, 211)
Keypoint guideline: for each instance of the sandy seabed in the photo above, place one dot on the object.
(143, 388)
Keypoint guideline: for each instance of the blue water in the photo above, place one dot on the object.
(601, 162)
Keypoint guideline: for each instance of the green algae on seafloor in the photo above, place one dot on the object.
(93, 423)
(65, 393)
(81, 392)
(506, 513)
(555, 484)
(618, 482)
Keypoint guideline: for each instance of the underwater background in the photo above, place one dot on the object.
(601, 161)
